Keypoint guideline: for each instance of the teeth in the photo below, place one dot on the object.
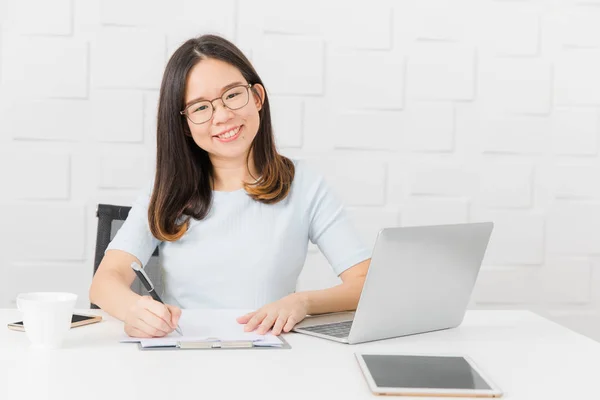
(229, 134)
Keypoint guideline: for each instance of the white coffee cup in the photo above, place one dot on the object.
(46, 317)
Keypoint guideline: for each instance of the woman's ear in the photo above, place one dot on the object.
(259, 95)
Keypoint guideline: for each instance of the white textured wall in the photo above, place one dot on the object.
(419, 112)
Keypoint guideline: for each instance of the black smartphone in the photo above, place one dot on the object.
(76, 320)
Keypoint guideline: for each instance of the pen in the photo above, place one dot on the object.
(139, 271)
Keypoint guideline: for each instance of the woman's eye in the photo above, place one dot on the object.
(232, 95)
(201, 108)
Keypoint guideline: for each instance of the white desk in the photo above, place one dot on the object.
(526, 355)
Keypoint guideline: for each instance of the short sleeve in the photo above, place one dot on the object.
(134, 236)
(330, 226)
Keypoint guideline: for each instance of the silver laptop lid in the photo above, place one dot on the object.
(421, 279)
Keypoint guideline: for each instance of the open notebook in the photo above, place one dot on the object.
(211, 328)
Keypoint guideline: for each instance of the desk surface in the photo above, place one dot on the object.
(527, 356)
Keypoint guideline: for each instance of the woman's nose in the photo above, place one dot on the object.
(221, 113)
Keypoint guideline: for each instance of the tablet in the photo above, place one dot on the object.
(425, 375)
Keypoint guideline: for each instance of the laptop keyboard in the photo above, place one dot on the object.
(336, 329)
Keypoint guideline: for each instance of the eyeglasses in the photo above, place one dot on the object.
(202, 111)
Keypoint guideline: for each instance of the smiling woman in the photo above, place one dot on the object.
(223, 129)
(232, 217)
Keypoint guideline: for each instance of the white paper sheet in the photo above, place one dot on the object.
(205, 325)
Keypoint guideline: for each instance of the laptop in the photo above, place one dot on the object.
(420, 280)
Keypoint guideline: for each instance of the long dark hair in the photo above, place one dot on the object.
(184, 172)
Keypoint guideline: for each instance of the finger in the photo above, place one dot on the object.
(149, 330)
(245, 318)
(254, 321)
(279, 324)
(267, 323)
(175, 315)
(162, 312)
(291, 322)
(157, 308)
(158, 324)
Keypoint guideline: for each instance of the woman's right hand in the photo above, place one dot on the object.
(149, 318)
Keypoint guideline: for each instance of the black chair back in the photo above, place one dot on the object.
(110, 219)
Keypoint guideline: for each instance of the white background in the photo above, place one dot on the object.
(418, 112)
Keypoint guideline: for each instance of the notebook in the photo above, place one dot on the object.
(210, 329)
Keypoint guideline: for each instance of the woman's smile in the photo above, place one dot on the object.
(230, 135)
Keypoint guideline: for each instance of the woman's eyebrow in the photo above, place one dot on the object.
(224, 88)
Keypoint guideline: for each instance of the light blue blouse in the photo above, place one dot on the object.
(246, 254)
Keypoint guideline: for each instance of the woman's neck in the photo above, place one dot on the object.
(231, 175)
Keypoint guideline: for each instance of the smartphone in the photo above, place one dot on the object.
(76, 320)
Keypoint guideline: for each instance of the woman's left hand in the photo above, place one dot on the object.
(281, 315)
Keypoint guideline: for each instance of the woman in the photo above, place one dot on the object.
(232, 217)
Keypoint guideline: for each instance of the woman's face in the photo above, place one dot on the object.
(209, 80)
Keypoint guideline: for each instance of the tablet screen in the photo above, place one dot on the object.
(427, 372)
